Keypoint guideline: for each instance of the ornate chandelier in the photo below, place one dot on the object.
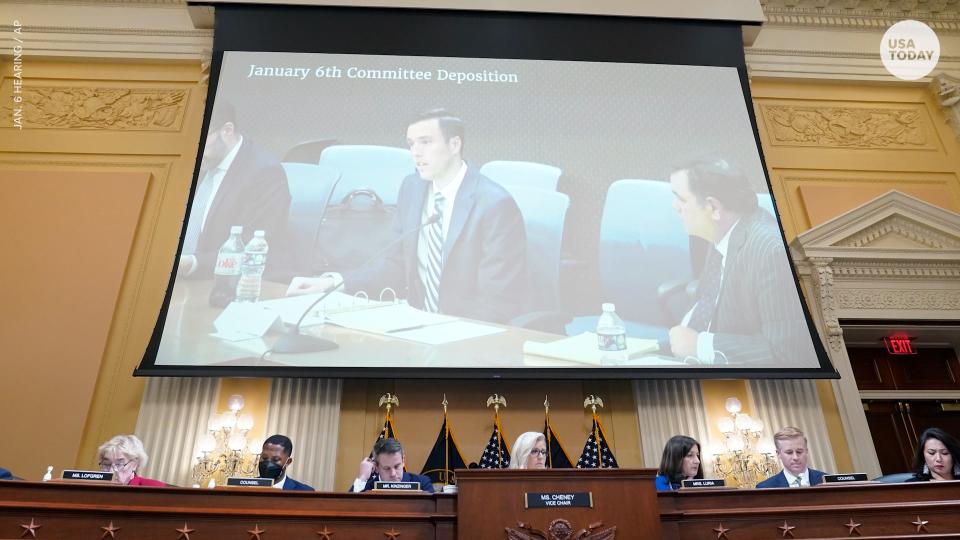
(225, 451)
(743, 457)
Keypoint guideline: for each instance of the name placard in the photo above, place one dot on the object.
(840, 478)
(88, 476)
(578, 499)
(400, 486)
(703, 483)
(240, 481)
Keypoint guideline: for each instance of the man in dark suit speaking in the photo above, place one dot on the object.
(240, 183)
(792, 450)
(747, 309)
(463, 244)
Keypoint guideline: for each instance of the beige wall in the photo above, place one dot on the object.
(115, 164)
(93, 193)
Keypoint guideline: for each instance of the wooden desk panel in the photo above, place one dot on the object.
(929, 509)
(76, 511)
(492, 500)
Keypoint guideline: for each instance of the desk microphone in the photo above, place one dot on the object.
(295, 342)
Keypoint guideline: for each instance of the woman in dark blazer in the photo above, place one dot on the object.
(937, 457)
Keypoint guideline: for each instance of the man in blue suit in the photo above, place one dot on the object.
(792, 450)
(461, 246)
(274, 461)
(388, 462)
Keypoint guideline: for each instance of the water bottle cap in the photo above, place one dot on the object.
(236, 229)
(259, 233)
(608, 306)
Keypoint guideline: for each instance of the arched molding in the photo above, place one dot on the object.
(895, 257)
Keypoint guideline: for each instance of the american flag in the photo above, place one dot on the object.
(496, 455)
(557, 457)
(387, 432)
(596, 452)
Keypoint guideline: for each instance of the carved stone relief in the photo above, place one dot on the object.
(823, 285)
(845, 127)
(906, 229)
(101, 108)
(894, 270)
(947, 90)
(928, 300)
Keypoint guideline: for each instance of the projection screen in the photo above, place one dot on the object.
(469, 208)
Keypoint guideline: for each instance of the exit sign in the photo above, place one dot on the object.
(899, 345)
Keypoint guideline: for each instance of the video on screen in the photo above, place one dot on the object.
(361, 211)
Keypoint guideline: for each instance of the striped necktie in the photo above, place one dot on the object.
(797, 482)
(707, 292)
(434, 257)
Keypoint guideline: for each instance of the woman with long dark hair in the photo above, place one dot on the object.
(680, 461)
(937, 457)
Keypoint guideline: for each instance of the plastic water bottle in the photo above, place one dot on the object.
(251, 269)
(226, 274)
(49, 474)
(612, 335)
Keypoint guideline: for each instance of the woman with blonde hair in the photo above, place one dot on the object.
(530, 451)
(124, 455)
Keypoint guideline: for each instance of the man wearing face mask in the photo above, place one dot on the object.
(274, 461)
(240, 183)
(747, 310)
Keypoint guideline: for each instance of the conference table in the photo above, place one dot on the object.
(187, 340)
(489, 502)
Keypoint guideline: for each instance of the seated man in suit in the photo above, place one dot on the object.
(792, 450)
(274, 461)
(461, 247)
(388, 462)
(747, 309)
(240, 183)
(5, 474)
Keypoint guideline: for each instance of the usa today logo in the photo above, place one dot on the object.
(910, 50)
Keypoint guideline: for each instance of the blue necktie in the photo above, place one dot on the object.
(434, 257)
(707, 292)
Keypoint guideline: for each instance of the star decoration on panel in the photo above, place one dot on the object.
(786, 529)
(921, 524)
(185, 532)
(392, 534)
(854, 528)
(325, 534)
(109, 530)
(31, 528)
(721, 531)
(256, 532)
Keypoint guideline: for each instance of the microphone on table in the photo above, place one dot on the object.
(295, 342)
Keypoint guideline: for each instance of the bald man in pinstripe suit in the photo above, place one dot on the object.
(747, 310)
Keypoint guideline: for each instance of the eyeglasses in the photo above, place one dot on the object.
(118, 466)
(539, 452)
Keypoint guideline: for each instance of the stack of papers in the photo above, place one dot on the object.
(583, 349)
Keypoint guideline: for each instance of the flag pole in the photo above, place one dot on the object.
(497, 400)
(446, 443)
(593, 402)
(546, 416)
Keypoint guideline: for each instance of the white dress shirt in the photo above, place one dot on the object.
(792, 480)
(214, 175)
(449, 193)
